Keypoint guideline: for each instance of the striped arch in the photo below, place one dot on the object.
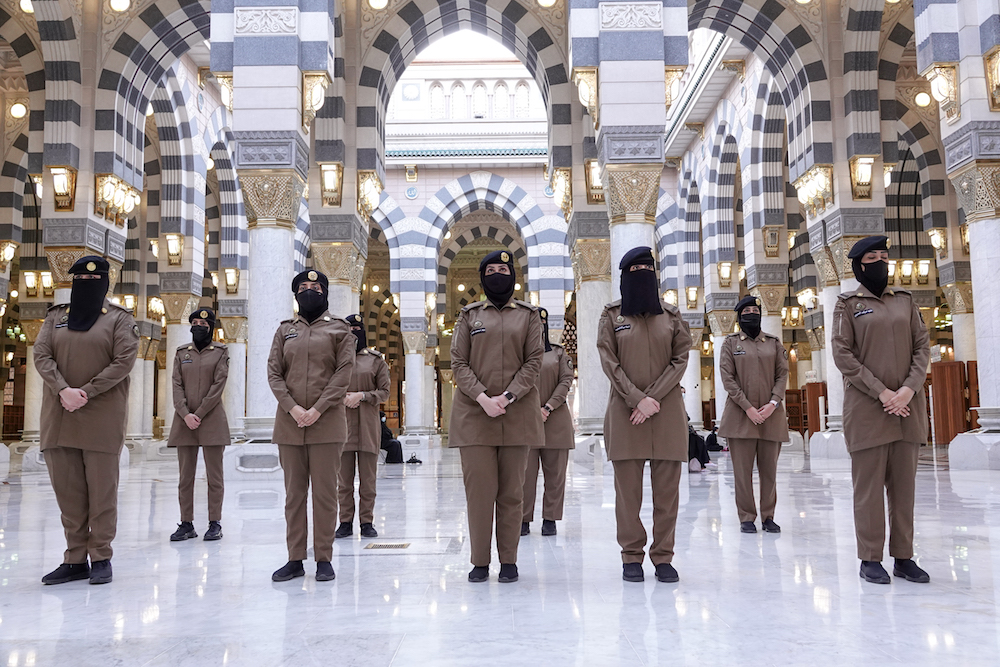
(719, 174)
(13, 180)
(861, 84)
(928, 153)
(302, 236)
(419, 23)
(329, 125)
(382, 322)
(213, 229)
(235, 236)
(471, 295)
(455, 245)
(141, 56)
(25, 45)
(63, 88)
(150, 205)
(668, 237)
(777, 37)
(903, 208)
(764, 163)
(691, 212)
(890, 54)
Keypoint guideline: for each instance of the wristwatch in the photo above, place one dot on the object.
(774, 403)
(363, 396)
(509, 396)
(547, 407)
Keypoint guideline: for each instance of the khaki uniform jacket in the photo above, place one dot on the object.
(754, 372)
(495, 350)
(364, 426)
(310, 366)
(199, 380)
(880, 344)
(554, 382)
(644, 355)
(97, 361)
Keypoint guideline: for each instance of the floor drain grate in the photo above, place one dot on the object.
(400, 545)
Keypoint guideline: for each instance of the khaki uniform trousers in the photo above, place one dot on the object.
(743, 451)
(554, 463)
(367, 464)
(665, 477)
(894, 468)
(494, 482)
(187, 459)
(318, 464)
(86, 488)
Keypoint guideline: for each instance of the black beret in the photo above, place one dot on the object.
(640, 255)
(749, 300)
(354, 321)
(544, 314)
(91, 265)
(203, 314)
(868, 244)
(312, 275)
(498, 257)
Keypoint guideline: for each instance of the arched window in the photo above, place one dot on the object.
(479, 101)
(522, 107)
(459, 105)
(501, 101)
(437, 101)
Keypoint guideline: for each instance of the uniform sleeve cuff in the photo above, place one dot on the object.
(634, 397)
(287, 404)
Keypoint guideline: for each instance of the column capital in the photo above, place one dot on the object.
(177, 307)
(978, 188)
(722, 322)
(272, 196)
(817, 338)
(31, 329)
(959, 297)
(235, 329)
(772, 298)
(414, 342)
(339, 261)
(591, 260)
(803, 352)
(632, 192)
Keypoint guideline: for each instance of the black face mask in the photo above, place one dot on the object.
(362, 342)
(312, 304)
(201, 335)
(640, 293)
(750, 324)
(85, 302)
(545, 335)
(874, 276)
(499, 288)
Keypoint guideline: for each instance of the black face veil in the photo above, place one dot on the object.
(640, 289)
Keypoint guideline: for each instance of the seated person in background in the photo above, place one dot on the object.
(393, 448)
(698, 458)
(712, 442)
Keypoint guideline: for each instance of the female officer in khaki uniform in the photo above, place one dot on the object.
(368, 388)
(880, 344)
(201, 369)
(553, 385)
(496, 353)
(309, 368)
(754, 370)
(644, 343)
(84, 354)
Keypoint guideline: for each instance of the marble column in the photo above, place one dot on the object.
(721, 323)
(340, 263)
(148, 393)
(417, 391)
(832, 376)
(772, 299)
(136, 387)
(430, 395)
(447, 396)
(963, 320)
(592, 272)
(33, 387)
(178, 331)
(692, 382)
(234, 398)
(162, 390)
(632, 191)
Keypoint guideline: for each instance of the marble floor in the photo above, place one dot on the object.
(788, 599)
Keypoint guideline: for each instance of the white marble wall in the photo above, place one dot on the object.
(771, 324)
(984, 245)
(414, 410)
(834, 380)
(430, 397)
(32, 398)
(137, 382)
(692, 387)
(235, 395)
(594, 386)
(343, 301)
(148, 395)
(162, 387)
(720, 390)
(963, 331)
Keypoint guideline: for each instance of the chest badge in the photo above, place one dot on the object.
(477, 324)
(187, 355)
(739, 348)
(620, 318)
(64, 318)
(292, 330)
(858, 306)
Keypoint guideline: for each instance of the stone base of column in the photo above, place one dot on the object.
(835, 422)
(31, 436)
(828, 445)
(589, 448)
(252, 461)
(136, 445)
(34, 459)
(979, 449)
(796, 443)
(590, 426)
(4, 460)
(418, 443)
(258, 429)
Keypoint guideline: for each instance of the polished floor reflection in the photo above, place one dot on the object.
(761, 599)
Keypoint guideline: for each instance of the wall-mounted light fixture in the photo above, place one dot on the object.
(114, 199)
(411, 173)
(378, 5)
(129, 300)
(18, 110)
(772, 240)
(369, 191)
(30, 280)
(672, 84)
(154, 306)
(725, 274)
(48, 286)
(314, 85)
(225, 80)
(943, 78)
(585, 79)
(670, 296)
(939, 240)
(887, 175)
(861, 177)
(815, 189)
(7, 251)
(175, 249)
(562, 184)
(892, 272)
(592, 174)
(692, 298)
(792, 234)
(991, 62)
(332, 182)
(964, 231)
(63, 187)
(807, 298)
(27, 7)
(923, 271)
(232, 280)
(906, 272)
(154, 247)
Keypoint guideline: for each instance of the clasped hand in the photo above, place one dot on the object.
(73, 399)
(353, 398)
(192, 420)
(304, 417)
(493, 406)
(897, 402)
(759, 415)
(647, 408)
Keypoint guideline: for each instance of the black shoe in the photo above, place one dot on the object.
(632, 572)
(324, 571)
(525, 528)
(907, 569)
(368, 530)
(413, 459)
(100, 572)
(770, 526)
(185, 531)
(548, 527)
(479, 573)
(747, 527)
(289, 571)
(67, 572)
(666, 573)
(508, 573)
(873, 572)
(214, 531)
(344, 530)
